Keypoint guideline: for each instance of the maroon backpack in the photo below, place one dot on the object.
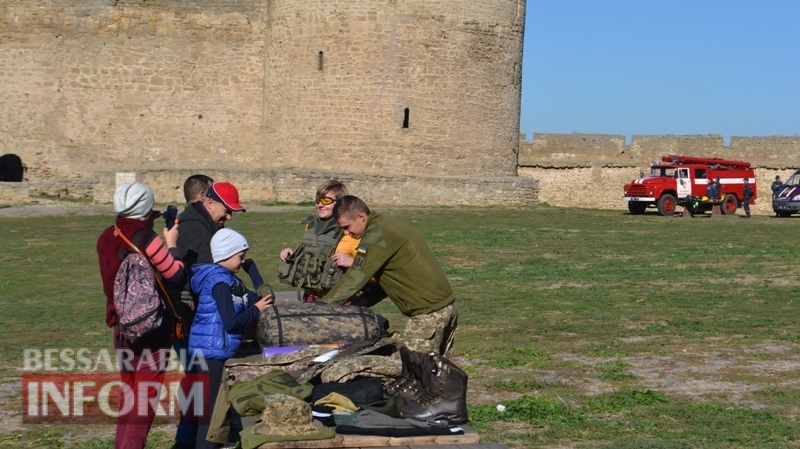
(136, 298)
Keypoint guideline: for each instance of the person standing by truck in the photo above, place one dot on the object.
(747, 193)
(718, 188)
(711, 191)
(776, 185)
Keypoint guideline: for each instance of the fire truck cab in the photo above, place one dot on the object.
(683, 180)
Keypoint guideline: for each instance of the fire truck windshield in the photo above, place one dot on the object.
(668, 172)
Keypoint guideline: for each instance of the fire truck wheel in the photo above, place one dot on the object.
(636, 208)
(729, 204)
(666, 205)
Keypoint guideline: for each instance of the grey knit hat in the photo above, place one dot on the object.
(133, 200)
(226, 243)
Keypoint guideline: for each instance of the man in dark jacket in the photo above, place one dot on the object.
(404, 268)
(776, 185)
(747, 193)
(711, 190)
(201, 219)
(198, 223)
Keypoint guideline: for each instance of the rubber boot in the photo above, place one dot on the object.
(444, 396)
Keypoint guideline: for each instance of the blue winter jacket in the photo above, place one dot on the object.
(207, 334)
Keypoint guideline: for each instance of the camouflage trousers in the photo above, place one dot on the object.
(433, 331)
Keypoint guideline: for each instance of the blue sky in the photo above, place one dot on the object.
(728, 67)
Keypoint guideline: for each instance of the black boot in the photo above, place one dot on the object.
(439, 392)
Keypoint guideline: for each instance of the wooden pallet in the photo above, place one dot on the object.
(468, 440)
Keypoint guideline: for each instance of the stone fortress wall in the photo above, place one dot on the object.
(589, 170)
(272, 93)
(409, 101)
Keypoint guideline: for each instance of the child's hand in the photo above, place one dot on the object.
(264, 302)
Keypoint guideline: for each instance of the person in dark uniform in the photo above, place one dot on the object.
(776, 185)
(747, 193)
(711, 190)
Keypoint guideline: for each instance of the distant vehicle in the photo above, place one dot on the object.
(680, 179)
(786, 201)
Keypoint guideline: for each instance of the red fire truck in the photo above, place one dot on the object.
(683, 180)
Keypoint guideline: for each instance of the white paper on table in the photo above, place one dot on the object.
(326, 356)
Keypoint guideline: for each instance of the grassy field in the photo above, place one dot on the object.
(595, 329)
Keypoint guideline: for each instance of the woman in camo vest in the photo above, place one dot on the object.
(324, 252)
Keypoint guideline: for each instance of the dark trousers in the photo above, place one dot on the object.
(187, 427)
(215, 370)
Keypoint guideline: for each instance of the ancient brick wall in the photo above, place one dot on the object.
(294, 186)
(407, 87)
(421, 88)
(88, 86)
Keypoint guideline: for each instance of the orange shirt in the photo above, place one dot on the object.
(347, 245)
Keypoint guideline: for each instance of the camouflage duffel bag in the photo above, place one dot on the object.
(317, 323)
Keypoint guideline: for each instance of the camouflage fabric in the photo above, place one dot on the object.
(248, 368)
(384, 346)
(349, 368)
(286, 415)
(432, 332)
(317, 323)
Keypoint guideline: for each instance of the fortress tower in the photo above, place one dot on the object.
(426, 87)
(388, 87)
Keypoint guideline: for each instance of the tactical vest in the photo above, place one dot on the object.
(311, 267)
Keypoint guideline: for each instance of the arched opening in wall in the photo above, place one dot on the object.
(11, 168)
(405, 118)
(319, 61)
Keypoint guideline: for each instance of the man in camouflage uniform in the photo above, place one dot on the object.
(404, 268)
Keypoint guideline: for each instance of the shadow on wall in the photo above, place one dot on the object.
(11, 168)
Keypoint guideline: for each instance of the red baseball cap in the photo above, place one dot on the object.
(225, 193)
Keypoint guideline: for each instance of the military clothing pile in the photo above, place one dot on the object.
(373, 387)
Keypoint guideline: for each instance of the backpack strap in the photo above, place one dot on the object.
(118, 233)
(279, 324)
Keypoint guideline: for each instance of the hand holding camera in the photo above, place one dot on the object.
(170, 230)
(170, 216)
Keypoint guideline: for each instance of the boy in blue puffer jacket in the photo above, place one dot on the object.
(224, 310)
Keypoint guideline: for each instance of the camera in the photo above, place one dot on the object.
(170, 216)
